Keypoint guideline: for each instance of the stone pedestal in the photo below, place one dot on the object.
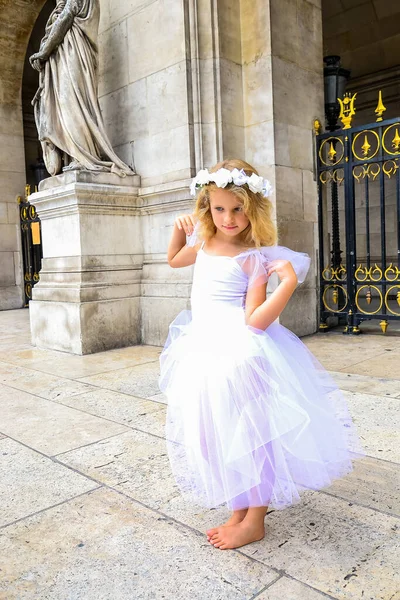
(88, 296)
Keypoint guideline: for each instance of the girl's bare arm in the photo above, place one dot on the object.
(179, 254)
(261, 311)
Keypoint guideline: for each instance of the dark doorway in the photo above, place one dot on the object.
(30, 83)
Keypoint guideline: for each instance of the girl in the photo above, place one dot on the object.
(252, 417)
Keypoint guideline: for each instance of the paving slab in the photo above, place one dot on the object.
(377, 386)
(73, 367)
(30, 482)
(338, 355)
(336, 547)
(374, 483)
(378, 423)
(135, 463)
(104, 546)
(49, 427)
(145, 415)
(290, 589)
(141, 381)
(386, 365)
(38, 383)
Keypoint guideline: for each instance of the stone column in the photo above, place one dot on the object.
(283, 94)
(88, 296)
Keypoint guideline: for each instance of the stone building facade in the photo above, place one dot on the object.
(183, 84)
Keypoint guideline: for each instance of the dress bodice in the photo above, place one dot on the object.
(217, 281)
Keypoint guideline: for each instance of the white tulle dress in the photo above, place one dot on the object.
(253, 418)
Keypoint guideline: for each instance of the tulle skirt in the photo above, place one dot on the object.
(253, 418)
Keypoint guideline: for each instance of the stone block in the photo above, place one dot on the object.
(12, 185)
(233, 140)
(11, 120)
(289, 193)
(156, 38)
(104, 16)
(155, 330)
(11, 297)
(12, 153)
(167, 100)
(257, 90)
(293, 146)
(300, 314)
(113, 58)
(256, 29)
(120, 10)
(3, 213)
(7, 270)
(260, 145)
(310, 196)
(298, 93)
(152, 160)
(297, 33)
(85, 328)
(229, 30)
(114, 108)
(9, 241)
(231, 82)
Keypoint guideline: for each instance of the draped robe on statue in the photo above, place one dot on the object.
(67, 110)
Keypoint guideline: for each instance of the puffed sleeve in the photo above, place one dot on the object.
(255, 266)
(300, 261)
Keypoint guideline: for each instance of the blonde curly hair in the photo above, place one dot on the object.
(261, 230)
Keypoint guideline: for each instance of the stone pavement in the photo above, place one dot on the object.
(89, 510)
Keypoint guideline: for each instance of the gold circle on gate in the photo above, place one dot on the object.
(397, 151)
(365, 132)
(365, 312)
(340, 287)
(331, 164)
(386, 299)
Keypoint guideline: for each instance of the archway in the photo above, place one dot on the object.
(30, 82)
(16, 24)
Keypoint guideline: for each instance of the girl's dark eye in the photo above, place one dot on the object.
(218, 208)
(238, 208)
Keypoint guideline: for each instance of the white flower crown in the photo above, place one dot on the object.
(222, 177)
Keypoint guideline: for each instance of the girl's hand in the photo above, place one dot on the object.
(186, 222)
(284, 270)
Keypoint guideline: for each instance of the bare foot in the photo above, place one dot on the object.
(236, 517)
(238, 535)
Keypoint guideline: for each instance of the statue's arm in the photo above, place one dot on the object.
(59, 29)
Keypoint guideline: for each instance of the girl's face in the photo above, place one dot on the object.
(227, 212)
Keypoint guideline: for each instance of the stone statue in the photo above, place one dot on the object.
(67, 111)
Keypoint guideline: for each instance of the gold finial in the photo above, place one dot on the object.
(398, 298)
(384, 325)
(27, 191)
(317, 127)
(369, 296)
(335, 295)
(347, 110)
(332, 152)
(396, 141)
(366, 146)
(380, 109)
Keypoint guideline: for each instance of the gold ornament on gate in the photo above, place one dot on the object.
(380, 109)
(347, 110)
(366, 147)
(396, 141)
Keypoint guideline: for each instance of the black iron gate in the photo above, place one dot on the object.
(359, 221)
(31, 243)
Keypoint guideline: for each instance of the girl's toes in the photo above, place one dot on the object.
(211, 532)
